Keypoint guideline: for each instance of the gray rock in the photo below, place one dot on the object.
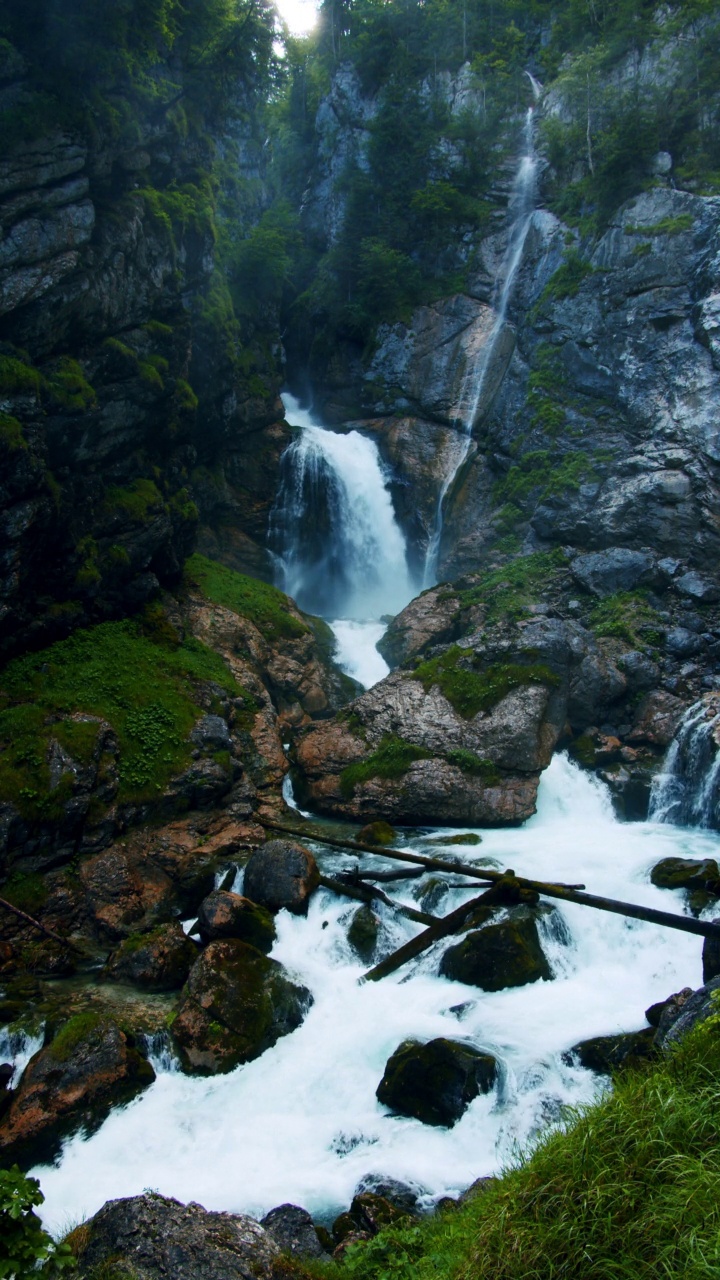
(437, 1081)
(281, 874)
(154, 1238)
(682, 643)
(618, 569)
(698, 1008)
(697, 587)
(293, 1231)
(212, 732)
(404, 1195)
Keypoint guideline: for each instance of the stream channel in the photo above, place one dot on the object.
(302, 1123)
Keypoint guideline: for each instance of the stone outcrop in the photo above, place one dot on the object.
(150, 1236)
(237, 1003)
(89, 1067)
(607, 1054)
(437, 1081)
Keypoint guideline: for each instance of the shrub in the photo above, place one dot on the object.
(26, 1249)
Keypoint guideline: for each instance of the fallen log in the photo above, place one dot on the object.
(415, 947)
(566, 893)
(366, 893)
(50, 933)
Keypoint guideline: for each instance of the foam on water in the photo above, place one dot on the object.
(302, 1123)
(356, 650)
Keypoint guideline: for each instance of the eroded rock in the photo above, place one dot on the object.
(437, 1081)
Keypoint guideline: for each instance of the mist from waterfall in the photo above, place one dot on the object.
(687, 790)
(520, 209)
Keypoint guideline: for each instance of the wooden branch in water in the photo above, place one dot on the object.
(365, 893)
(415, 947)
(565, 893)
(22, 915)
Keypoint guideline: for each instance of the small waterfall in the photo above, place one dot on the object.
(18, 1047)
(521, 208)
(687, 792)
(340, 551)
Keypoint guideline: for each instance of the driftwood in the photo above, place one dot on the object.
(366, 893)
(22, 915)
(565, 893)
(415, 947)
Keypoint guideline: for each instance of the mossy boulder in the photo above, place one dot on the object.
(377, 833)
(157, 961)
(363, 934)
(281, 874)
(435, 1082)
(230, 915)
(606, 1054)
(508, 954)
(89, 1067)
(686, 873)
(237, 1003)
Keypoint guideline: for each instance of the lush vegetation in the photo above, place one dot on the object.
(508, 592)
(628, 615)
(262, 604)
(392, 759)
(136, 676)
(26, 1249)
(470, 691)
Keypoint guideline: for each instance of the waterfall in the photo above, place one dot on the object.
(521, 208)
(339, 549)
(687, 791)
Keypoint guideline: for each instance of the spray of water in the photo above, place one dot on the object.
(687, 790)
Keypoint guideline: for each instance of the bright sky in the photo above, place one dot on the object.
(300, 15)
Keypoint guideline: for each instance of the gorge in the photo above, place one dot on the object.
(359, 460)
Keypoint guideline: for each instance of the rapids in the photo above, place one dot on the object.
(302, 1123)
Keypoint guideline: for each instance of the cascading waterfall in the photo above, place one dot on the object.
(521, 208)
(340, 551)
(687, 791)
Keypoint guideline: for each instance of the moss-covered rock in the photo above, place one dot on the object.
(606, 1054)
(377, 833)
(230, 915)
(502, 955)
(363, 934)
(435, 1082)
(281, 874)
(237, 1003)
(686, 873)
(157, 961)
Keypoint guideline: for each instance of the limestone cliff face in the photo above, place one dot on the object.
(127, 416)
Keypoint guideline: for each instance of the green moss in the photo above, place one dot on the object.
(145, 689)
(182, 507)
(138, 500)
(185, 397)
(262, 604)
(78, 737)
(642, 250)
(468, 691)
(11, 433)
(583, 750)
(540, 474)
(566, 281)
(73, 1033)
(627, 616)
(150, 375)
(508, 592)
(470, 762)
(68, 388)
(157, 329)
(17, 376)
(665, 227)
(391, 760)
(28, 892)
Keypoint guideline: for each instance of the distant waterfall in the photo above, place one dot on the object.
(339, 548)
(521, 208)
(687, 792)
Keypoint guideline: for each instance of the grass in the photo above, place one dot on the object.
(666, 226)
(250, 598)
(470, 692)
(73, 1033)
(566, 281)
(508, 592)
(139, 500)
(626, 1190)
(470, 762)
(144, 686)
(539, 474)
(391, 760)
(627, 616)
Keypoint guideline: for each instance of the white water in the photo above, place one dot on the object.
(688, 788)
(520, 210)
(302, 1123)
(18, 1047)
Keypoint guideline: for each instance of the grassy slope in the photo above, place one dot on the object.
(629, 1190)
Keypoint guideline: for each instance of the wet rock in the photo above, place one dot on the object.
(606, 1054)
(158, 961)
(281, 874)
(477, 1188)
(502, 955)
(237, 1003)
(711, 956)
(89, 1067)
(686, 873)
(293, 1231)
(230, 915)
(131, 889)
(696, 587)
(663, 1014)
(657, 719)
(153, 1237)
(428, 619)
(345, 1226)
(403, 1195)
(604, 573)
(697, 1008)
(352, 1237)
(363, 933)
(373, 1212)
(377, 833)
(437, 1081)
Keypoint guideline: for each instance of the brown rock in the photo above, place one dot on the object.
(229, 915)
(88, 1068)
(281, 874)
(237, 1004)
(157, 961)
(657, 718)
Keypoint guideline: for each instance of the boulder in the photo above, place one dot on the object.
(697, 1008)
(88, 1068)
(293, 1231)
(373, 1212)
(686, 873)
(281, 874)
(377, 833)
(237, 1003)
(437, 1081)
(657, 719)
(501, 955)
(153, 1237)
(604, 573)
(363, 933)
(230, 915)
(696, 587)
(157, 961)
(673, 1004)
(606, 1054)
(403, 1195)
